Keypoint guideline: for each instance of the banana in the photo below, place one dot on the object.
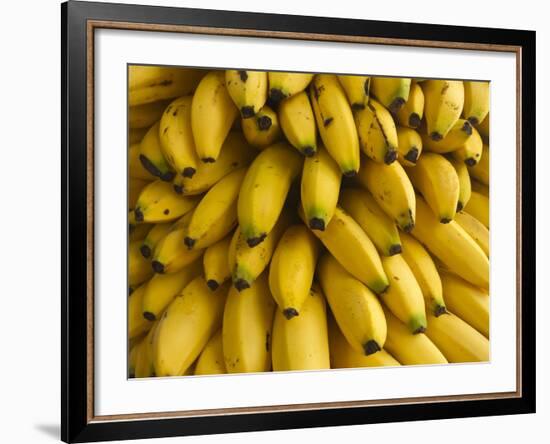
(247, 263)
(457, 136)
(143, 116)
(247, 323)
(136, 170)
(151, 156)
(137, 324)
(409, 146)
(248, 89)
(392, 92)
(153, 238)
(135, 135)
(465, 258)
(349, 244)
(356, 309)
(411, 113)
(476, 101)
(404, 297)
(479, 187)
(410, 348)
(186, 326)
(470, 152)
(357, 89)
(343, 355)
(375, 223)
(144, 367)
(217, 205)
(235, 153)
(158, 202)
(465, 184)
(148, 84)
(335, 122)
(425, 273)
(262, 129)
(443, 104)
(286, 84)
(477, 231)
(392, 190)
(138, 232)
(292, 268)
(478, 207)
(298, 123)
(301, 343)
(215, 263)
(377, 132)
(456, 339)
(132, 356)
(212, 114)
(437, 180)
(139, 268)
(210, 361)
(264, 190)
(163, 288)
(483, 127)
(135, 186)
(319, 189)
(480, 171)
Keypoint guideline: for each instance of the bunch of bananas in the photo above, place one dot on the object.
(290, 221)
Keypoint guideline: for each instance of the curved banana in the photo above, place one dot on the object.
(409, 146)
(356, 309)
(262, 129)
(139, 268)
(247, 323)
(476, 101)
(357, 89)
(298, 123)
(411, 113)
(137, 324)
(212, 114)
(378, 225)
(478, 207)
(264, 190)
(465, 184)
(457, 136)
(143, 116)
(216, 263)
(443, 104)
(153, 238)
(470, 152)
(144, 367)
(286, 84)
(319, 189)
(292, 268)
(136, 170)
(475, 229)
(210, 361)
(480, 171)
(135, 186)
(483, 127)
(248, 89)
(151, 157)
(392, 92)
(335, 122)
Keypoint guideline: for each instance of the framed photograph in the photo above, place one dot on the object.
(275, 221)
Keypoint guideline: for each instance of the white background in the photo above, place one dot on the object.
(30, 198)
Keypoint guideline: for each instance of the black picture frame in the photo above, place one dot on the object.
(76, 423)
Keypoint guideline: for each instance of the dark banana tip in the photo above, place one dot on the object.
(470, 162)
(247, 112)
(467, 128)
(168, 176)
(408, 228)
(371, 347)
(240, 284)
(357, 106)
(290, 313)
(208, 160)
(264, 123)
(212, 284)
(350, 173)
(276, 95)
(473, 120)
(390, 157)
(189, 242)
(138, 214)
(149, 166)
(384, 290)
(412, 155)
(420, 329)
(149, 316)
(253, 241)
(308, 151)
(440, 310)
(145, 251)
(414, 120)
(157, 267)
(178, 189)
(459, 206)
(396, 105)
(435, 136)
(316, 223)
(445, 220)
(188, 172)
(395, 249)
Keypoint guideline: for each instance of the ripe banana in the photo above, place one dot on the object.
(143, 116)
(186, 326)
(478, 207)
(139, 268)
(215, 263)
(392, 92)
(248, 89)
(356, 309)
(411, 113)
(475, 229)
(335, 122)
(320, 187)
(153, 237)
(409, 146)
(457, 136)
(437, 180)
(443, 104)
(137, 324)
(262, 129)
(483, 127)
(480, 188)
(286, 84)
(480, 171)
(292, 268)
(210, 361)
(298, 123)
(264, 190)
(476, 101)
(392, 190)
(465, 184)
(135, 135)
(135, 186)
(301, 343)
(357, 89)
(470, 152)
(138, 232)
(136, 170)
(144, 367)
(212, 114)
(247, 323)
(151, 156)
(375, 223)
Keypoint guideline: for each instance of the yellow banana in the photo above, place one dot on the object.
(356, 309)
(247, 323)
(135, 186)
(437, 180)
(248, 89)
(212, 114)
(144, 360)
(264, 190)
(477, 231)
(404, 297)
(456, 339)
(186, 326)
(465, 184)
(479, 187)
(301, 343)
(392, 92)
(410, 348)
(262, 129)
(138, 232)
(411, 113)
(136, 170)
(132, 357)
(319, 189)
(392, 190)
(286, 84)
(335, 122)
(465, 258)
(292, 268)
(298, 123)
(476, 101)
(216, 263)
(409, 146)
(210, 361)
(470, 152)
(151, 155)
(478, 207)
(483, 127)
(143, 116)
(137, 324)
(443, 104)
(480, 171)
(367, 213)
(139, 268)
(153, 238)
(357, 89)
(135, 135)
(457, 136)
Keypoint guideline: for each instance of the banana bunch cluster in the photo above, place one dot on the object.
(290, 221)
